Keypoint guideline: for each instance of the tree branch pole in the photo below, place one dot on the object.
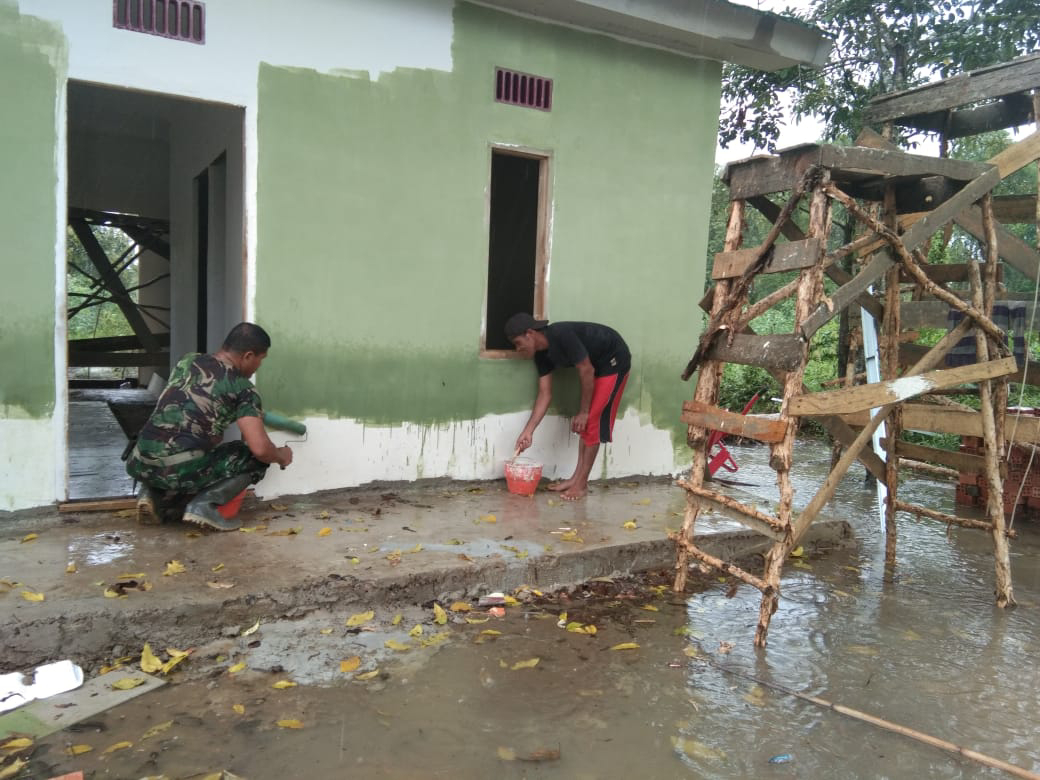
(887, 725)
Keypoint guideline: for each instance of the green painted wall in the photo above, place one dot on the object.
(372, 242)
(32, 64)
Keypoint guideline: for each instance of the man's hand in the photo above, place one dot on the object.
(579, 422)
(523, 442)
(284, 456)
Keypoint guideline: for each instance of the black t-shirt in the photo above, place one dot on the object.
(572, 342)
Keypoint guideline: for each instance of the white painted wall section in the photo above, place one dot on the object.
(346, 453)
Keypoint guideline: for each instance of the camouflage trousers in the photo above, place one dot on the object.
(180, 482)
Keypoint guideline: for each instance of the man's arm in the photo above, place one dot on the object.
(260, 444)
(541, 406)
(587, 377)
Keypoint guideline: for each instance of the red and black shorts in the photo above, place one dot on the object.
(606, 398)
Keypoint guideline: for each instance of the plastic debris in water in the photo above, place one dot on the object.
(783, 758)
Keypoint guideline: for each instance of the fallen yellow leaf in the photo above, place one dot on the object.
(156, 730)
(530, 663)
(324, 515)
(279, 507)
(397, 619)
(237, 667)
(126, 683)
(77, 750)
(477, 620)
(393, 644)
(173, 567)
(281, 685)
(491, 632)
(797, 552)
(650, 608)
(218, 567)
(219, 584)
(286, 531)
(176, 656)
(149, 663)
(510, 601)
(571, 536)
(626, 646)
(507, 754)
(29, 538)
(440, 617)
(326, 631)
(630, 525)
(117, 746)
(114, 594)
(366, 675)
(695, 749)
(252, 629)
(290, 724)
(325, 531)
(18, 743)
(350, 664)
(239, 709)
(460, 606)
(354, 560)
(690, 651)
(31, 595)
(417, 631)
(488, 519)
(71, 568)
(360, 618)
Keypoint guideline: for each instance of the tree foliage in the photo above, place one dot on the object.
(98, 319)
(880, 46)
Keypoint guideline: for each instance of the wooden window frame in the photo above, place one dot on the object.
(542, 240)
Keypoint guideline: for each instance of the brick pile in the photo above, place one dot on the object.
(972, 489)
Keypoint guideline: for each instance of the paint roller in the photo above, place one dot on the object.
(283, 423)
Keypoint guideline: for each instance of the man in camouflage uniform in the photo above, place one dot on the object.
(179, 457)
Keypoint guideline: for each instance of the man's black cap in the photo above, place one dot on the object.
(520, 323)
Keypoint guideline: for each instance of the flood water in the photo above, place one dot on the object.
(924, 648)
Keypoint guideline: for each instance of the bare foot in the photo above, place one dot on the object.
(575, 493)
(559, 487)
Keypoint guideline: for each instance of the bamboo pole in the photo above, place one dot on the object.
(810, 291)
(992, 437)
(894, 425)
(887, 725)
(942, 517)
(723, 566)
(759, 308)
(707, 391)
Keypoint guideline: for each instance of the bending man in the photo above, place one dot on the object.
(602, 360)
(179, 458)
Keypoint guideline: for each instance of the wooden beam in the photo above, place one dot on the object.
(1017, 156)
(1012, 250)
(963, 89)
(783, 351)
(108, 343)
(947, 272)
(748, 426)
(896, 162)
(911, 353)
(931, 222)
(748, 516)
(98, 505)
(941, 419)
(1004, 112)
(1015, 209)
(114, 284)
(843, 296)
(717, 563)
(874, 395)
(843, 433)
(90, 358)
(934, 313)
(964, 462)
(789, 256)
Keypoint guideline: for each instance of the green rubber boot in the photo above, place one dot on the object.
(202, 510)
(149, 508)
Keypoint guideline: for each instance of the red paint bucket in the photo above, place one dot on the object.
(230, 509)
(522, 475)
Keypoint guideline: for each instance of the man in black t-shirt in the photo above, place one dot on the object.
(602, 360)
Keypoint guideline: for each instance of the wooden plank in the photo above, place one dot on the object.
(837, 428)
(749, 426)
(964, 462)
(107, 343)
(931, 222)
(748, 516)
(1014, 209)
(845, 295)
(765, 175)
(948, 272)
(874, 395)
(782, 351)
(99, 505)
(896, 162)
(1013, 250)
(1017, 156)
(963, 89)
(940, 419)
(1004, 112)
(942, 517)
(789, 256)
(79, 359)
(911, 353)
(934, 314)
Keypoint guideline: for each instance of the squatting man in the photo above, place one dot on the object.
(185, 468)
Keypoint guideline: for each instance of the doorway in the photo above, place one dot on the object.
(139, 292)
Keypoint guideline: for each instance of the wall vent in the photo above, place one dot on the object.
(523, 89)
(182, 20)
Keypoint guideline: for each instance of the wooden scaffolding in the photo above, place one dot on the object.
(899, 201)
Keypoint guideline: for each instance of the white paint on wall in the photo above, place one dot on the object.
(345, 453)
(908, 387)
(28, 475)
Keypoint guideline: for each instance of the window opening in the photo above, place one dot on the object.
(516, 245)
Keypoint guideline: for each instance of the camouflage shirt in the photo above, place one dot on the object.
(203, 397)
